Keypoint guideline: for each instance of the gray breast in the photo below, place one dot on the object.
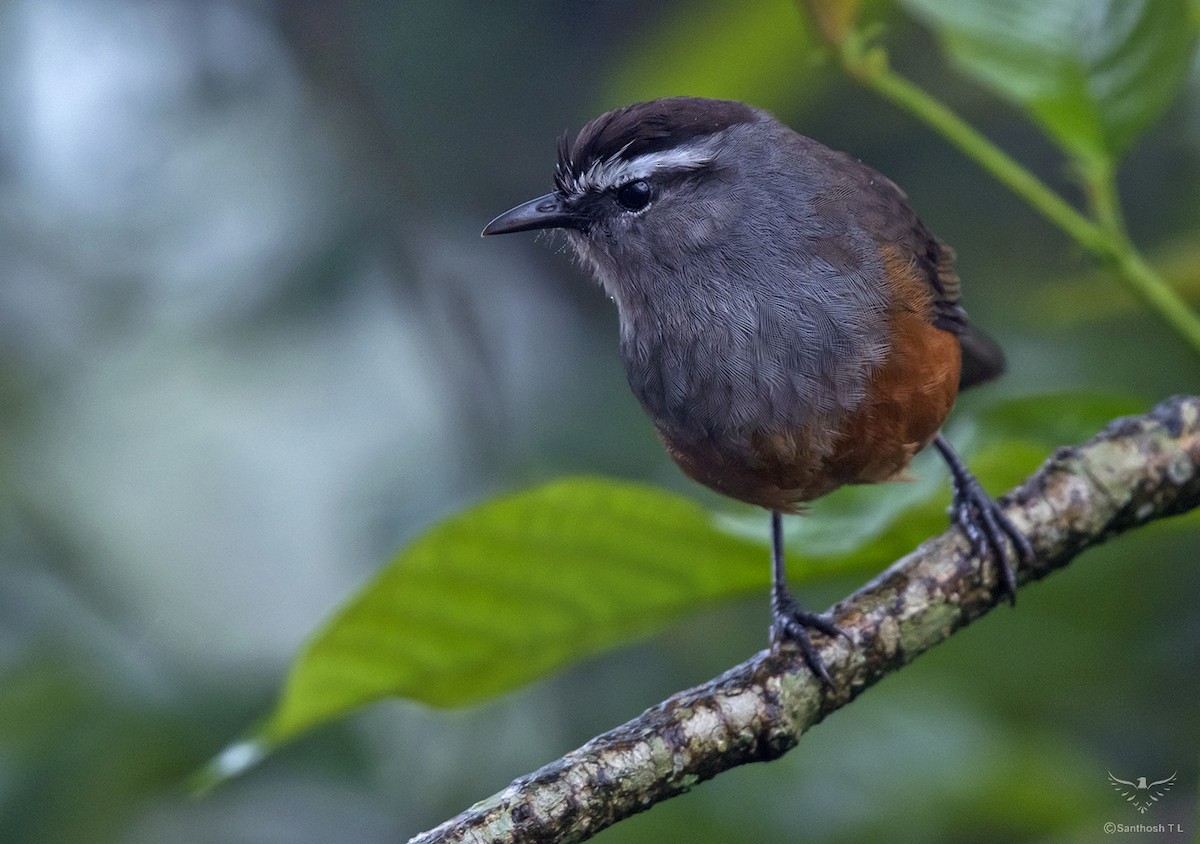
(735, 352)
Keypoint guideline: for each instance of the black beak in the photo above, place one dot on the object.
(545, 212)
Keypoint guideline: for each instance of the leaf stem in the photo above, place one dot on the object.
(1099, 179)
(1146, 282)
(1104, 236)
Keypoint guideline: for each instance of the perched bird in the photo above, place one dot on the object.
(786, 320)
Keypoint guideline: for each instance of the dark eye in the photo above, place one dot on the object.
(634, 196)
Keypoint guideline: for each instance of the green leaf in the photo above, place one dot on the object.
(745, 51)
(507, 591)
(510, 590)
(1093, 73)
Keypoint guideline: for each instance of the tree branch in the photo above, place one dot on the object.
(1136, 470)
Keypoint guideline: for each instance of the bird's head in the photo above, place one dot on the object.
(649, 190)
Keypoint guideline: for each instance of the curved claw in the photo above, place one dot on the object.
(988, 528)
(791, 622)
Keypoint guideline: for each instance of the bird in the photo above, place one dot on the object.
(1142, 794)
(786, 320)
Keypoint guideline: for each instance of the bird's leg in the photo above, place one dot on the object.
(788, 619)
(986, 525)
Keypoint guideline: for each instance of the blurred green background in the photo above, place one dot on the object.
(252, 344)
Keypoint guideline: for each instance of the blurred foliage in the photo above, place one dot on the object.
(724, 50)
(251, 344)
(1099, 74)
(506, 591)
(1094, 73)
(1090, 297)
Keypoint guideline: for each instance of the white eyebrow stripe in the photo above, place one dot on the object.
(613, 171)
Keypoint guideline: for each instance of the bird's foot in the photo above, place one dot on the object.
(990, 531)
(791, 622)
(987, 527)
